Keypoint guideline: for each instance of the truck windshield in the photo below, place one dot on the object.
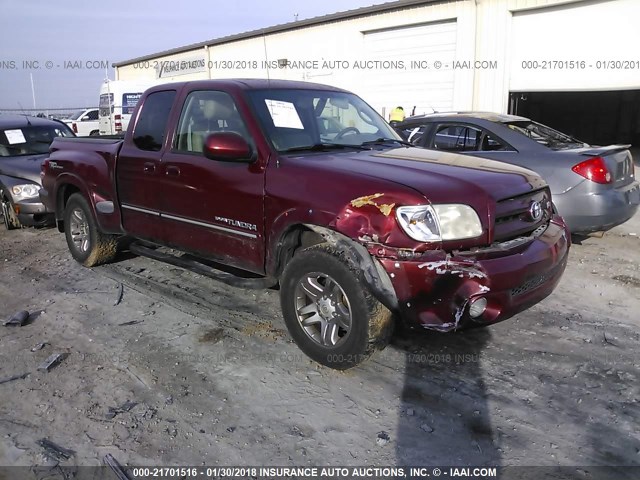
(30, 140)
(545, 135)
(76, 115)
(301, 119)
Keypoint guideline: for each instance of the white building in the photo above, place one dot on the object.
(572, 64)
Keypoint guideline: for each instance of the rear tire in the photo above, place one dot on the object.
(87, 244)
(329, 310)
(9, 217)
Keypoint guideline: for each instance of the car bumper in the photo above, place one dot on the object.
(599, 211)
(437, 294)
(33, 214)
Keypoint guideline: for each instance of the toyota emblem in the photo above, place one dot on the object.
(535, 211)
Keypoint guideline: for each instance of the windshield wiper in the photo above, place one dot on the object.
(319, 147)
(383, 141)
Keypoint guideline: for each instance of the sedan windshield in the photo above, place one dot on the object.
(31, 139)
(316, 120)
(546, 136)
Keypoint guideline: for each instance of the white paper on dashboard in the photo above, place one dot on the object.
(284, 114)
(15, 136)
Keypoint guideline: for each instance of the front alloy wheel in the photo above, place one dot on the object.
(329, 310)
(323, 310)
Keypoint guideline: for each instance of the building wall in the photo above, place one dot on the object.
(484, 32)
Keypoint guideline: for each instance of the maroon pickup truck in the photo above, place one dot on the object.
(305, 186)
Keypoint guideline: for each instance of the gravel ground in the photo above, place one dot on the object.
(188, 371)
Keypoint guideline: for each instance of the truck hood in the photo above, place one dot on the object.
(440, 176)
(27, 167)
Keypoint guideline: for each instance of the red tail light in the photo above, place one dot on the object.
(118, 122)
(594, 169)
(74, 127)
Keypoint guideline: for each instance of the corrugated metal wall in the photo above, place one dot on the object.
(484, 32)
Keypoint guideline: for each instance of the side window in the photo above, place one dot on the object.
(206, 112)
(457, 138)
(492, 144)
(414, 134)
(151, 126)
(93, 115)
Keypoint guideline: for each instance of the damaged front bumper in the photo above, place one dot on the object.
(446, 291)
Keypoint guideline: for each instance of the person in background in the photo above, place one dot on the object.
(396, 116)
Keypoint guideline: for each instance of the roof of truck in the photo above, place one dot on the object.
(251, 84)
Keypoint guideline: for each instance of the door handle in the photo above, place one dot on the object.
(172, 170)
(149, 167)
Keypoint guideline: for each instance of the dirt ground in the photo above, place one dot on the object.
(213, 378)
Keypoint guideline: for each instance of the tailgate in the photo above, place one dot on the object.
(618, 160)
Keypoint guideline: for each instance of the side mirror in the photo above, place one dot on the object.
(227, 147)
(85, 118)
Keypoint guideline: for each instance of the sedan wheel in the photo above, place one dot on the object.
(9, 217)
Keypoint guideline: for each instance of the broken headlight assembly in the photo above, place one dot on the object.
(433, 223)
(24, 192)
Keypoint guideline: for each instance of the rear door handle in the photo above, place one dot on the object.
(172, 170)
(149, 167)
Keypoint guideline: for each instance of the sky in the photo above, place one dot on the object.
(61, 35)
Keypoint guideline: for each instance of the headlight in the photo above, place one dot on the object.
(23, 192)
(432, 223)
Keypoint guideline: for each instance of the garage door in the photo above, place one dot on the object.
(605, 36)
(426, 89)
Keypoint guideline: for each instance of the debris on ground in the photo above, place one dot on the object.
(119, 295)
(426, 428)
(125, 407)
(52, 361)
(383, 438)
(39, 346)
(18, 319)
(112, 463)
(132, 322)
(54, 451)
(15, 377)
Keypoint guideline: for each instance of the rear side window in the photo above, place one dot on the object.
(151, 127)
(464, 138)
(457, 138)
(414, 134)
(93, 115)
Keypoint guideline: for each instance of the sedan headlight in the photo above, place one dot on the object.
(24, 192)
(432, 223)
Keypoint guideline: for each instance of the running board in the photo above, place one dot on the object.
(202, 269)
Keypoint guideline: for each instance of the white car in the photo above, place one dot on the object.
(84, 122)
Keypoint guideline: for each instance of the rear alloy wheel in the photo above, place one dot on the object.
(86, 243)
(329, 310)
(9, 216)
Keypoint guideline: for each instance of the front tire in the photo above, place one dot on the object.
(329, 310)
(87, 244)
(9, 217)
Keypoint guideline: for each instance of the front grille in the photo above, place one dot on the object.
(536, 281)
(513, 217)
